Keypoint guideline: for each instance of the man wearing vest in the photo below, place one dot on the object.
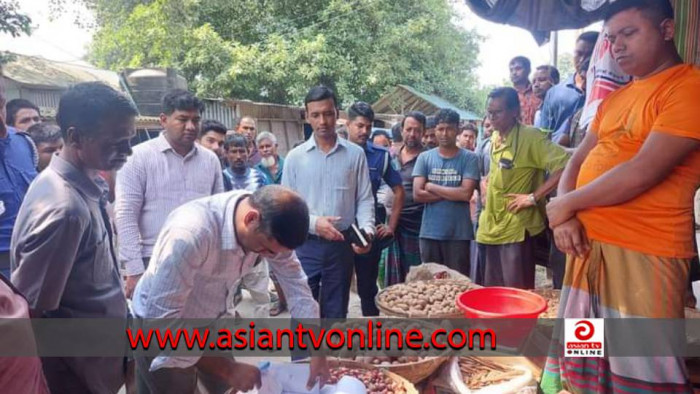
(360, 118)
(18, 160)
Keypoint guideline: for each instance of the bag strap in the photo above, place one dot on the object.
(386, 163)
(32, 147)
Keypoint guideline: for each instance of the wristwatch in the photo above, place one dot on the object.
(532, 199)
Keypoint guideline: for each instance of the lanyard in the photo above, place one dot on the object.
(515, 150)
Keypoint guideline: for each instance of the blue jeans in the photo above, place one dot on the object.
(328, 267)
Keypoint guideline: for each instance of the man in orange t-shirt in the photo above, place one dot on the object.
(624, 211)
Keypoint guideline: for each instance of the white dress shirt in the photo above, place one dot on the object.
(196, 262)
(153, 182)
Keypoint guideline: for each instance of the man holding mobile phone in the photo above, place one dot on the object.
(332, 176)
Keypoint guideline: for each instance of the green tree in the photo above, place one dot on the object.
(566, 65)
(275, 50)
(14, 23)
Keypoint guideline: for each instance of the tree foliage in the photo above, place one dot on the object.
(14, 23)
(566, 66)
(275, 50)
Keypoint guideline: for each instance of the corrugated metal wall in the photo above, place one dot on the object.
(287, 132)
(42, 98)
(221, 111)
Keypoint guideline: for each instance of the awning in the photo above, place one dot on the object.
(404, 98)
(541, 17)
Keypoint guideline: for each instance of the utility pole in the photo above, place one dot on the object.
(555, 48)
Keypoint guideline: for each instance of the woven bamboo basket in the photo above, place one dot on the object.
(408, 387)
(549, 294)
(387, 310)
(417, 371)
(691, 313)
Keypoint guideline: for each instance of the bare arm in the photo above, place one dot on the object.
(239, 376)
(567, 183)
(462, 193)
(397, 206)
(484, 189)
(420, 194)
(548, 186)
(565, 141)
(660, 154)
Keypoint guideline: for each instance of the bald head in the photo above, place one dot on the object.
(284, 215)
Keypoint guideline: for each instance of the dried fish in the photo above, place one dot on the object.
(479, 373)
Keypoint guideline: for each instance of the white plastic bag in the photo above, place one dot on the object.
(509, 387)
(284, 378)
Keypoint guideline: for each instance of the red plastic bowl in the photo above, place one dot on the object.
(501, 303)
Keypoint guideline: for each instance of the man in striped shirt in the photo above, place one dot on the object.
(205, 248)
(161, 175)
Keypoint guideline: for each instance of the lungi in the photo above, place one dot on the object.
(613, 282)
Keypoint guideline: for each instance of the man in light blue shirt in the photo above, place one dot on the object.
(332, 175)
(18, 170)
(563, 100)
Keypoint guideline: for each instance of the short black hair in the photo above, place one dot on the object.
(284, 215)
(212, 125)
(380, 132)
(360, 108)
(85, 105)
(13, 106)
(584, 66)
(656, 10)
(522, 60)
(590, 37)
(417, 115)
(471, 127)
(42, 133)
(235, 140)
(446, 115)
(553, 72)
(430, 122)
(508, 94)
(181, 100)
(396, 132)
(320, 93)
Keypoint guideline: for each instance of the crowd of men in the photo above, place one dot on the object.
(183, 222)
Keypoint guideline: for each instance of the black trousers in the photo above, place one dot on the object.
(453, 254)
(328, 267)
(511, 265)
(366, 272)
